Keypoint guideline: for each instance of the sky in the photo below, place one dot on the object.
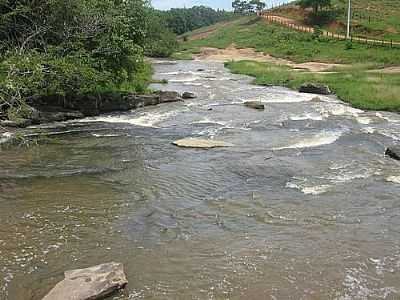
(224, 4)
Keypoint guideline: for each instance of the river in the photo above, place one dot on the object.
(303, 206)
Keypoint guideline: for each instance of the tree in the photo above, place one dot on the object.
(257, 5)
(316, 5)
(248, 6)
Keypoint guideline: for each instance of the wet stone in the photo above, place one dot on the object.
(200, 143)
(393, 152)
(255, 104)
(188, 95)
(91, 283)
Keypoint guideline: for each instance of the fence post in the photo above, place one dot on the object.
(391, 43)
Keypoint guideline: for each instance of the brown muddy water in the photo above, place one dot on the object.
(304, 206)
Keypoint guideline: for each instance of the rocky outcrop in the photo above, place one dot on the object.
(167, 96)
(188, 95)
(47, 109)
(92, 283)
(314, 88)
(255, 104)
(393, 152)
(200, 143)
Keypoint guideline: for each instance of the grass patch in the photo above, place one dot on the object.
(364, 90)
(182, 55)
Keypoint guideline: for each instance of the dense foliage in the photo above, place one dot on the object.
(181, 20)
(247, 6)
(69, 47)
(316, 5)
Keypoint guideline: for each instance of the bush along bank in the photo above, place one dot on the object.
(65, 49)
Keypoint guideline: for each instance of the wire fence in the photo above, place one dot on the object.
(290, 24)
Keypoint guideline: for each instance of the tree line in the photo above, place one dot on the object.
(181, 20)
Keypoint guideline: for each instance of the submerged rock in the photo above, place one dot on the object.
(315, 88)
(200, 143)
(91, 283)
(189, 95)
(393, 152)
(255, 104)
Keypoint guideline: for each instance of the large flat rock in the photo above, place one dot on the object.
(91, 283)
(200, 143)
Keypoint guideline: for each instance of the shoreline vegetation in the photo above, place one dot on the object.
(78, 50)
(361, 79)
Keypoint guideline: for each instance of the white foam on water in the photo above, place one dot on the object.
(171, 73)
(193, 83)
(388, 117)
(369, 130)
(337, 109)
(145, 119)
(206, 120)
(393, 179)
(284, 98)
(307, 116)
(363, 120)
(183, 80)
(6, 136)
(393, 135)
(105, 135)
(309, 190)
(346, 175)
(320, 139)
(358, 285)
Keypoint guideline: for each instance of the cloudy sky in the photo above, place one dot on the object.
(225, 4)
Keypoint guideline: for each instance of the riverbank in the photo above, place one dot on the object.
(358, 74)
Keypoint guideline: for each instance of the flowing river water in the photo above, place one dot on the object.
(303, 206)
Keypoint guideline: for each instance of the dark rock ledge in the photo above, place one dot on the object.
(57, 108)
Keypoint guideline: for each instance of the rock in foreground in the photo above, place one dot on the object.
(91, 283)
(393, 152)
(255, 104)
(200, 143)
(314, 88)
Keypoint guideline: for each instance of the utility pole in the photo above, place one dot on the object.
(348, 20)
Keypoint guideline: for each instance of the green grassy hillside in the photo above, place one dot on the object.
(360, 82)
(378, 19)
(252, 32)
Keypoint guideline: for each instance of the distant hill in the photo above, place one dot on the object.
(371, 18)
